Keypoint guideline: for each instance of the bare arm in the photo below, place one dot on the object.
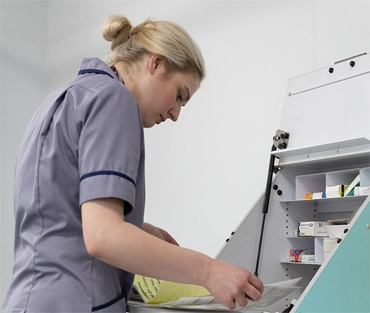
(112, 240)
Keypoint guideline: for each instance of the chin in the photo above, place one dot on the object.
(148, 125)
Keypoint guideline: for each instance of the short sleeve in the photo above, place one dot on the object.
(110, 128)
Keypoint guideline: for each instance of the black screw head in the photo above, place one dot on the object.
(275, 187)
(279, 192)
(331, 70)
(282, 145)
(352, 63)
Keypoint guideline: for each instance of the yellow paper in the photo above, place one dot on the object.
(154, 291)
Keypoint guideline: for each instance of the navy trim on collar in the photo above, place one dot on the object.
(95, 71)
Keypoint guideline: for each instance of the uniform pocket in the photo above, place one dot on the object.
(117, 305)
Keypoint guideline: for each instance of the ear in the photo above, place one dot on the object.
(156, 62)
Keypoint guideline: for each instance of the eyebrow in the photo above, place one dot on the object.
(188, 97)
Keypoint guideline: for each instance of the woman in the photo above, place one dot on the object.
(79, 184)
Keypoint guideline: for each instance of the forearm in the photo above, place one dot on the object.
(147, 255)
(123, 245)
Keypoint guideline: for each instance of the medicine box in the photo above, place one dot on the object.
(362, 191)
(335, 191)
(308, 258)
(312, 229)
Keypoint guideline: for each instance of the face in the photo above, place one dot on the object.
(161, 96)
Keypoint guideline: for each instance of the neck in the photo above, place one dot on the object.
(123, 72)
(133, 78)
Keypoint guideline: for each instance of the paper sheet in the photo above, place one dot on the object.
(161, 293)
(154, 291)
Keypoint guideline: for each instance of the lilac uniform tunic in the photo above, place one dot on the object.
(85, 142)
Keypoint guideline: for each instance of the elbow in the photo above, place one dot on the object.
(93, 250)
(101, 220)
(94, 245)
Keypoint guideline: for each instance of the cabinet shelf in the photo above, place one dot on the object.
(326, 200)
(301, 263)
(342, 205)
(304, 238)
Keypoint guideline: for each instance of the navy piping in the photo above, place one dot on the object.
(88, 71)
(108, 173)
(105, 305)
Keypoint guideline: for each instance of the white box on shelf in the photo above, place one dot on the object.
(335, 191)
(312, 229)
(362, 191)
(308, 258)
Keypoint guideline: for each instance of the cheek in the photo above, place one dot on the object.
(162, 97)
(168, 102)
(164, 101)
(169, 96)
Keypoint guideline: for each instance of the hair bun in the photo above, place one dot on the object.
(116, 27)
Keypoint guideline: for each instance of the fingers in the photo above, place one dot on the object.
(173, 241)
(167, 237)
(254, 288)
(159, 233)
(257, 283)
(229, 303)
(241, 295)
(232, 285)
(241, 299)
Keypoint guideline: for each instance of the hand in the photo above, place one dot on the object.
(159, 233)
(231, 284)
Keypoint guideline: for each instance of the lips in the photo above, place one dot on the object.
(161, 119)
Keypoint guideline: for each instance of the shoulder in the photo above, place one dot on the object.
(102, 89)
(97, 78)
(97, 89)
(114, 90)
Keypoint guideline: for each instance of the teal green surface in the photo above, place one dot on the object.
(344, 283)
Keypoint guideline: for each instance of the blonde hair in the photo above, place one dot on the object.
(130, 43)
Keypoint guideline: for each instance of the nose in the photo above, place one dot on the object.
(174, 113)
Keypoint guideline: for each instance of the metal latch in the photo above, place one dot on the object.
(281, 139)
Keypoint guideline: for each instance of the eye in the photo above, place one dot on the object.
(179, 97)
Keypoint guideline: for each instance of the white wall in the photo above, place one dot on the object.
(205, 171)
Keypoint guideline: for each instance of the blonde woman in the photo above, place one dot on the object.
(80, 182)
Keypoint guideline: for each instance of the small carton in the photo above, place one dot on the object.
(294, 255)
(312, 229)
(307, 256)
(335, 191)
(362, 191)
